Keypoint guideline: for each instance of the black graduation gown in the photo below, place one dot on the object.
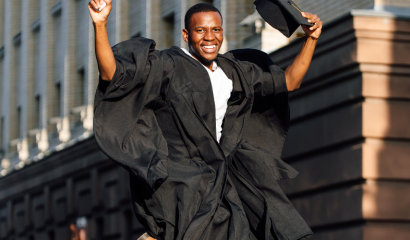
(156, 118)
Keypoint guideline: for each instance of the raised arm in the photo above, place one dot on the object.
(297, 70)
(103, 52)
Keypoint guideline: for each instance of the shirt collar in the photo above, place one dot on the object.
(214, 65)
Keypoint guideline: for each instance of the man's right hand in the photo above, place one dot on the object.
(99, 17)
(103, 52)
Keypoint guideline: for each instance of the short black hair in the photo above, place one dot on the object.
(197, 8)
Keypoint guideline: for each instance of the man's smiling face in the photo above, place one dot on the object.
(204, 36)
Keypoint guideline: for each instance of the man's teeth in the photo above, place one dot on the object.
(213, 46)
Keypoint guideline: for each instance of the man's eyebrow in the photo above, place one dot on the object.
(205, 26)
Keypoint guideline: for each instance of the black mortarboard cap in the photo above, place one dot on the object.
(283, 15)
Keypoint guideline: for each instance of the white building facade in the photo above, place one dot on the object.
(48, 72)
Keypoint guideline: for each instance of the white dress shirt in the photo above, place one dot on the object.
(221, 88)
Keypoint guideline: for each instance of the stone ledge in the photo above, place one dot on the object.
(1, 52)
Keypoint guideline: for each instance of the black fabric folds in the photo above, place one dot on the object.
(284, 15)
(156, 118)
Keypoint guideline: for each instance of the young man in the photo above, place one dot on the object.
(200, 133)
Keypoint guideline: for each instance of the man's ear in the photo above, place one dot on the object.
(185, 35)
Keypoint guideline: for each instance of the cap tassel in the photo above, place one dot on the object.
(300, 34)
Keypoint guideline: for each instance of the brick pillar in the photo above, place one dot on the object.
(349, 134)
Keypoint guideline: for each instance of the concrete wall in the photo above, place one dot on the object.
(349, 134)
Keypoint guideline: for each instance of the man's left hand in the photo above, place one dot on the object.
(316, 29)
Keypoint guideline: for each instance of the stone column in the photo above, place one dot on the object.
(7, 78)
(69, 72)
(91, 78)
(46, 75)
(2, 12)
(7, 58)
(26, 82)
(146, 26)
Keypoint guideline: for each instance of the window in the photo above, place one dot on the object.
(15, 111)
(58, 53)
(99, 229)
(56, 103)
(36, 112)
(2, 16)
(1, 100)
(1, 137)
(54, 108)
(18, 123)
(79, 89)
(77, 97)
(36, 62)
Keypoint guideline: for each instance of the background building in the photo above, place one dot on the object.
(349, 135)
(48, 69)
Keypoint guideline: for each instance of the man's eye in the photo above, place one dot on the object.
(201, 31)
(217, 30)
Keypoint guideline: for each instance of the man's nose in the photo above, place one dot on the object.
(209, 35)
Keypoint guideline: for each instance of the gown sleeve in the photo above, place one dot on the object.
(125, 126)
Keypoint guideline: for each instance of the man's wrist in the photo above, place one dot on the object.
(100, 24)
(312, 38)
